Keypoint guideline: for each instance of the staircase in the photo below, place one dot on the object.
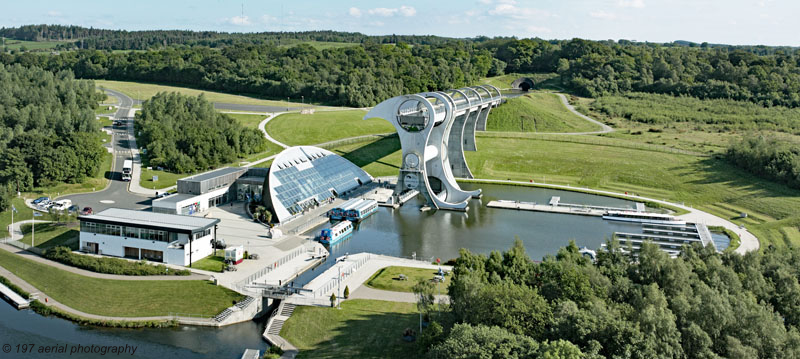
(279, 316)
(287, 310)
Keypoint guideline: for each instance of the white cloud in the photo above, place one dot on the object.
(631, 3)
(406, 11)
(518, 13)
(239, 20)
(600, 14)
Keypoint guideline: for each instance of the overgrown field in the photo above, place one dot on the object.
(144, 91)
(536, 112)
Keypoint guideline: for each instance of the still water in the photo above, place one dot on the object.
(440, 234)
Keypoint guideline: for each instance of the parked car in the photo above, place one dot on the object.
(62, 205)
(253, 256)
(87, 211)
(41, 200)
(219, 244)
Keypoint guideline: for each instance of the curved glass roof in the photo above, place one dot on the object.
(303, 176)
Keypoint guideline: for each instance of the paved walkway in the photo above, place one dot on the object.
(748, 242)
(263, 127)
(604, 128)
(364, 292)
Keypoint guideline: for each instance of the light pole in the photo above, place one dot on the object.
(287, 104)
(339, 297)
(302, 102)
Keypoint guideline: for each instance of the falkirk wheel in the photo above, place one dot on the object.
(435, 128)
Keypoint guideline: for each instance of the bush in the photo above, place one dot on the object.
(44, 310)
(346, 292)
(64, 255)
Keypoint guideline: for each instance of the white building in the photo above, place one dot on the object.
(157, 237)
(196, 194)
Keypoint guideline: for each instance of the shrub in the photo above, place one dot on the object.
(65, 255)
(346, 292)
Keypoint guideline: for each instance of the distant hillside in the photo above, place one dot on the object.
(102, 39)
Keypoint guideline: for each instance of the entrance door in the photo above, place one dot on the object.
(93, 247)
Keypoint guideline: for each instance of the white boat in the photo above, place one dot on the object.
(642, 217)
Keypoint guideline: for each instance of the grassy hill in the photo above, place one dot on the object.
(536, 112)
(324, 126)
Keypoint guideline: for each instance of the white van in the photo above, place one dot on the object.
(62, 205)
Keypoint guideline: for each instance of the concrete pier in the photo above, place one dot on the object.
(530, 206)
(12, 297)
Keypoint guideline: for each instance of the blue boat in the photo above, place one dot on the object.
(362, 210)
(336, 233)
(339, 212)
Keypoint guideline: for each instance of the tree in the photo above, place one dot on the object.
(346, 292)
(333, 300)
(424, 290)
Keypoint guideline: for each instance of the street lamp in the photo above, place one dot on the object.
(302, 101)
(287, 104)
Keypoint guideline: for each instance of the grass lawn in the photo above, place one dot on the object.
(165, 179)
(121, 298)
(247, 120)
(106, 122)
(537, 112)
(50, 235)
(210, 263)
(380, 157)
(102, 109)
(324, 126)
(388, 279)
(144, 91)
(361, 329)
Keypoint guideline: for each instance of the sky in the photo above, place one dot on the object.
(737, 22)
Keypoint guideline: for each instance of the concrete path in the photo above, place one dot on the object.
(364, 292)
(748, 242)
(263, 127)
(604, 128)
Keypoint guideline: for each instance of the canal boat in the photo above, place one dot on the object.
(642, 217)
(362, 210)
(339, 212)
(336, 233)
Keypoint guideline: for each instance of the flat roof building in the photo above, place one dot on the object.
(200, 192)
(158, 237)
(303, 177)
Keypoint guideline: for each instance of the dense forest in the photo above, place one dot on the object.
(48, 131)
(185, 134)
(254, 63)
(701, 305)
(101, 39)
(768, 157)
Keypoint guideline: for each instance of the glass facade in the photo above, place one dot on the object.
(132, 232)
(301, 189)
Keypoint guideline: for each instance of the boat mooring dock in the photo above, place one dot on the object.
(13, 298)
(556, 206)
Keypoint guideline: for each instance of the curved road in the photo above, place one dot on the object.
(116, 194)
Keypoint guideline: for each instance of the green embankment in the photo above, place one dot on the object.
(247, 120)
(361, 329)
(121, 298)
(324, 126)
(537, 112)
(49, 235)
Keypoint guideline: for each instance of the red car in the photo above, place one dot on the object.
(87, 211)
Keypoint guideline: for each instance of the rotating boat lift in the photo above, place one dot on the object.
(435, 128)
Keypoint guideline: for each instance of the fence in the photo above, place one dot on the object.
(26, 247)
(345, 272)
(242, 284)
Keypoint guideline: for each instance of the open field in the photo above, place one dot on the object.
(324, 126)
(49, 235)
(211, 263)
(622, 166)
(144, 91)
(388, 279)
(139, 298)
(537, 112)
(13, 44)
(361, 329)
